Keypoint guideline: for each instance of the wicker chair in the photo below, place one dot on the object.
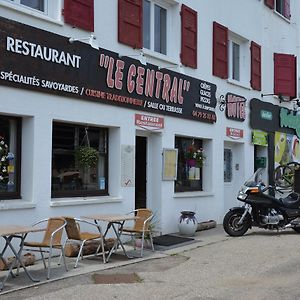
(74, 234)
(51, 240)
(141, 227)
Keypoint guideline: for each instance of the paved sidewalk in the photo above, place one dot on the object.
(93, 264)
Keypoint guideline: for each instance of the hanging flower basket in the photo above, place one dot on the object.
(87, 156)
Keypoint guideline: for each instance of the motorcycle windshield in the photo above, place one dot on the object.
(255, 179)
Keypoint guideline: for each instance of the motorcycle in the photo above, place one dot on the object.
(261, 209)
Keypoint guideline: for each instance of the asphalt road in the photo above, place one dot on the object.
(260, 265)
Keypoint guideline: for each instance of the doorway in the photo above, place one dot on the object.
(233, 173)
(140, 172)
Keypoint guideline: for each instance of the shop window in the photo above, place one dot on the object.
(189, 166)
(10, 144)
(227, 165)
(79, 161)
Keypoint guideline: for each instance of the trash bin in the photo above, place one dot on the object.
(297, 181)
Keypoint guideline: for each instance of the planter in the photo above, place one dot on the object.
(187, 224)
(191, 162)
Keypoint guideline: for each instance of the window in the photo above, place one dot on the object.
(154, 27)
(39, 5)
(70, 175)
(227, 165)
(239, 59)
(283, 8)
(189, 166)
(37, 8)
(10, 144)
(231, 56)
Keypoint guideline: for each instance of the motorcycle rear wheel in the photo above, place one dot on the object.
(231, 226)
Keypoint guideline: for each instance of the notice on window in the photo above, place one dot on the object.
(170, 164)
(127, 166)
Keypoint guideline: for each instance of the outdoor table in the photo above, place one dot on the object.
(8, 233)
(116, 222)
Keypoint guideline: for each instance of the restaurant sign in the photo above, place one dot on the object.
(234, 133)
(149, 122)
(235, 107)
(38, 60)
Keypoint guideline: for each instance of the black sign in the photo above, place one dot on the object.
(42, 61)
(264, 115)
(235, 107)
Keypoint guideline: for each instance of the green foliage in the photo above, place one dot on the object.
(87, 156)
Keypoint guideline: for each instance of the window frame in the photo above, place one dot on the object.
(16, 194)
(200, 144)
(52, 9)
(105, 155)
(167, 7)
(244, 59)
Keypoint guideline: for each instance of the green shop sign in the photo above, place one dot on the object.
(259, 138)
(266, 115)
(287, 119)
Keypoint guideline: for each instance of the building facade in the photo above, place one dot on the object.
(181, 100)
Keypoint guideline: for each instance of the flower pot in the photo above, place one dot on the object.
(191, 162)
(188, 223)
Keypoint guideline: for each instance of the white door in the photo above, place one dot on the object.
(233, 173)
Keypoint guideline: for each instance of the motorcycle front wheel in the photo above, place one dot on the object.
(230, 223)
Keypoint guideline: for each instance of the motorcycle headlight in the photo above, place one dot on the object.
(242, 195)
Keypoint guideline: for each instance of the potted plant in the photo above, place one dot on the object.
(87, 156)
(195, 157)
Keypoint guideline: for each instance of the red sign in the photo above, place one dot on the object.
(234, 133)
(147, 121)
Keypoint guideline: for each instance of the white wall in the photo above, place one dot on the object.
(250, 19)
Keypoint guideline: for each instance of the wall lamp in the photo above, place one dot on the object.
(178, 67)
(91, 40)
(279, 96)
(141, 57)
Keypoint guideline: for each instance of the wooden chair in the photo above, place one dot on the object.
(141, 227)
(51, 240)
(74, 234)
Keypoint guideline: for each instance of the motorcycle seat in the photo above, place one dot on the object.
(291, 201)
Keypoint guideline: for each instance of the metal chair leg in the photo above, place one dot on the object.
(80, 253)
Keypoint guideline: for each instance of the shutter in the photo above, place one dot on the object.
(285, 75)
(130, 23)
(189, 30)
(270, 3)
(286, 9)
(220, 50)
(79, 13)
(255, 66)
